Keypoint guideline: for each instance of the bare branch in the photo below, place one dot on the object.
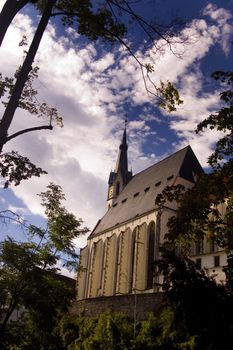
(9, 215)
(138, 18)
(35, 128)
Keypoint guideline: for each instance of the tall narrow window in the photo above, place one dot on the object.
(216, 260)
(132, 260)
(213, 246)
(199, 247)
(151, 255)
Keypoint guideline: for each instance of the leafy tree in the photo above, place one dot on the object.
(15, 168)
(28, 269)
(103, 22)
(198, 311)
(200, 211)
(108, 331)
(147, 333)
(199, 307)
(222, 121)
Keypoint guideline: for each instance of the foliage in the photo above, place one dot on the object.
(108, 331)
(222, 121)
(62, 226)
(170, 97)
(105, 20)
(28, 100)
(200, 308)
(201, 208)
(15, 168)
(28, 270)
(28, 283)
(168, 330)
(196, 303)
(147, 333)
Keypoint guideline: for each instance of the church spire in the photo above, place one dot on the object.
(121, 176)
(122, 160)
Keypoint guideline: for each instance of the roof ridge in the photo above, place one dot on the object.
(171, 155)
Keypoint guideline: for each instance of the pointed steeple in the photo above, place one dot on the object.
(121, 176)
(122, 160)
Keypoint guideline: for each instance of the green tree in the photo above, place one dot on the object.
(199, 307)
(108, 331)
(195, 304)
(28, 269)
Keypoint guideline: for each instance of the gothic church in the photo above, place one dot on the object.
(118, 258)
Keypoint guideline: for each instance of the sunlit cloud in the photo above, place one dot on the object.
(90, 92)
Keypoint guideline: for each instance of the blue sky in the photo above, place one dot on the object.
(94, 87)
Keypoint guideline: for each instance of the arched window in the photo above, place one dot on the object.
(132, 260)
(117, 188)
(151, 255)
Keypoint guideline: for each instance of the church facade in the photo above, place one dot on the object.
(119, 255)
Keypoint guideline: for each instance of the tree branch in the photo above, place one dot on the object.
(63, 13)
(138, 18)
(35, 128)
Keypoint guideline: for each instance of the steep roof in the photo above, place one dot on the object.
(138, 197)
(121, 164)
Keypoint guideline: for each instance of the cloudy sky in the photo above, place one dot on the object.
(95, 89)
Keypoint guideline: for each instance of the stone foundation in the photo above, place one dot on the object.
(138, 305)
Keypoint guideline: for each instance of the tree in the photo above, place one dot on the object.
(9, 11)
(199, 212)
(108, 331)
(23, 75)
(28, 269)
(101, 23)
(196, 301)
(14, 167)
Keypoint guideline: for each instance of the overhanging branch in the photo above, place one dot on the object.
(35, 128)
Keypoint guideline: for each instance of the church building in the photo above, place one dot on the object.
(120, 251)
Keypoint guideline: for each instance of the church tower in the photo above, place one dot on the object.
(119, 178)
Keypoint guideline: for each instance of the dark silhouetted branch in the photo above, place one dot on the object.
(35, 128)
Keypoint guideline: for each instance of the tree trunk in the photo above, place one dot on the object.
(11, 309)
(9, 10)
(23, 74)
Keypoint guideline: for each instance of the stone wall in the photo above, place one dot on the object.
(142, 304)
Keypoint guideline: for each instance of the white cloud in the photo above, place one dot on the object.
(222, 17)
(90, 92)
